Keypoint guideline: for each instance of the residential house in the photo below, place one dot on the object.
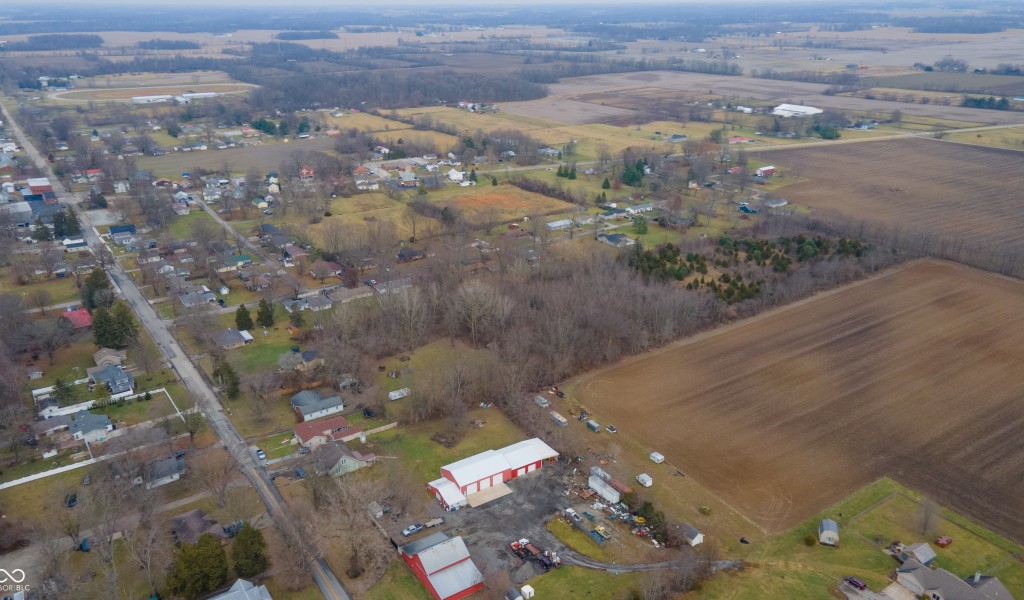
(244, 590)
(639, 209)
(306, 173)
(231, 338)
(618, 240)
(332, 269)
(302, 361)
(615, 213)
(234, 262)
(34, 373)
(114, 377)
(309, 405)
(559, 225)
(921, 552)
(147, 256)
(198, 298)
(108, 356)
(940, 584)
(164, 471)
(122, 186)
(89, 427)
(455, 175)
(334, 458)
(79, 317)
(828, 533)
(122, 238)
(311, 434)
(408, 179)
(189, 527)
(294, 252)
(48, 427)
(114, 229)
(409, 255)
(444, 566)
(314, 303)
(391, 287)
(181, 209)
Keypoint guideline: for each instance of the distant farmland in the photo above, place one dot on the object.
(913, 374)
(960, 192)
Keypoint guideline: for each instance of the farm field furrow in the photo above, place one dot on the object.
(913, 374)
(957, 191)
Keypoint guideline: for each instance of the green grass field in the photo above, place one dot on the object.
(785, 567)
(577, 582)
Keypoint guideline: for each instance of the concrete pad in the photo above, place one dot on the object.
(896, 591)
(492, 493)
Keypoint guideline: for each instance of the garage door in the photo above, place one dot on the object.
(521, 471)
(470, 489)
(485, 483)
(531, 467)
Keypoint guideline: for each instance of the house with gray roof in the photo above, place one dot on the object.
(162, 472)
(194, 299)
(90, 427)
(309, 405)
(921, 552)
(925, 582)
(335, 458)
(232, 338)
(444, 565)
(114, 377)
(244, 590)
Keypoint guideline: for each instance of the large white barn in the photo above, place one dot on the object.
(488, 469)
(795, 110)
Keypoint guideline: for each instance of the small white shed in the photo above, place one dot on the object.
(828, 533)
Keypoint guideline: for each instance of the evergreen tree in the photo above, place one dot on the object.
(198, 570)
(243, 320)
(228, 379)
(103, 329)
(42, 233)
(472, 176)
(296, 319)
(125, 328)
(95, 281)
(265, 314)
(607, 185)
(572, 173)
(560, 172)
(640, 225)
(494, 181)
(64, 392)
(249, 552)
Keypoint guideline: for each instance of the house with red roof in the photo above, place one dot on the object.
(444, 566)
(306, 173)
(311, 434)
(80, 318)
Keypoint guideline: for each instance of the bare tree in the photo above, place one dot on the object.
(263, 387)
(52, 335)
(928, 516)
(215, 472)
(149, 545)
(39, 298)
(192, 422)
(48, 540)
(411, 218)
(144, 353)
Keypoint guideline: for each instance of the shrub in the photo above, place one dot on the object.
(810, 539)
(705, 510)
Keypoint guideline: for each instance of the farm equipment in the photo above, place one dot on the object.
(589, 516)
(596, 537)
(603, 532)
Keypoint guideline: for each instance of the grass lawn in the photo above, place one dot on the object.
(33, 465)
(41, 499)
(310, 592)
(785, 567)
(278, 416)
(579, 541)
(135, 411)
(424, 457)
(71, 361)
(577, 582)
(181, 227)
(61, 289)
(398, 583)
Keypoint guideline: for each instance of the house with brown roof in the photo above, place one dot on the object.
(336, 459)
(311, 434)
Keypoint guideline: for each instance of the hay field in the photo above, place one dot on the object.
(913, 374)
(506, 202)
(126, 94)
(953, 190)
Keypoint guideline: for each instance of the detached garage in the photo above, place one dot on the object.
(489, 469)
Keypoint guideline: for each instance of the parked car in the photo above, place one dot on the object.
(267, 212)
(221, 302)
(260, 454)
(300, 473)
(412, 529)
(179, 454)
(87, 479)
(304, 450)
(70, 500)
(857, 583)
(611, 429)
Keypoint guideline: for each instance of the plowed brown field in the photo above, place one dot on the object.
(947, 189)
(915, 374)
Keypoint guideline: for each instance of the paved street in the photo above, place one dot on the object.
(194, 383)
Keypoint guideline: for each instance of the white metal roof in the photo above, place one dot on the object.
(476, 467)
(527, 452)
(454, 579)
(449, 492)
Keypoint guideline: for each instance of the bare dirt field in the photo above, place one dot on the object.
(563, 110)
(955, 190)
(913, 374)
(674, 84)
(509, 203)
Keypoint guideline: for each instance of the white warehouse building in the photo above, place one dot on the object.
(795, 110)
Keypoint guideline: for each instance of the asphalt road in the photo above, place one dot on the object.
(197, 386)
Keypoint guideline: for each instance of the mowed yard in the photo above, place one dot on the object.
(913, 374)
(952, 191)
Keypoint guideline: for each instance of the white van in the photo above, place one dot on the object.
(657, 457)
(645, 480)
